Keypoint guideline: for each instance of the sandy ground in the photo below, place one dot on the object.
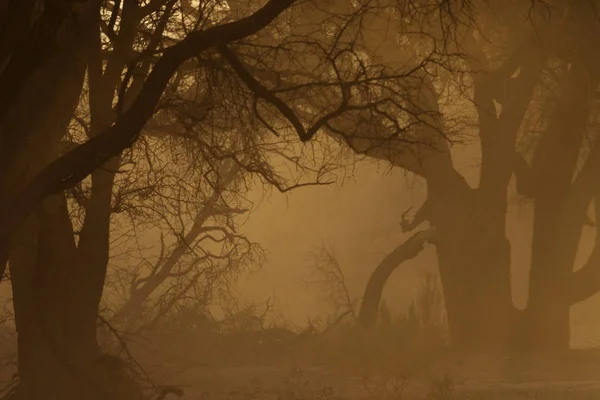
(319, 383)
(571, 381)
(573, 377)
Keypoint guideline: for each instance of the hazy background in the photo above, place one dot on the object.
(359, 220)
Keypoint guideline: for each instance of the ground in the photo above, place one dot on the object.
(341, 371)
(317, 384)
(573, 379)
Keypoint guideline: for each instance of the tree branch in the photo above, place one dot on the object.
(80, 162)
(261, 91)
(421, 216)
(372, 297)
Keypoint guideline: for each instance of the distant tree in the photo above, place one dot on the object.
(206, 250)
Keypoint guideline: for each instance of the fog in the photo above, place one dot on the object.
(360, 220)
(299, 200)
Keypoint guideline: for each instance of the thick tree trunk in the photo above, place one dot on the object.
(477, 293)
(560, 211)
(56, 286)
(59, 357)
(31, 135)
(474, 263)
(39, 279)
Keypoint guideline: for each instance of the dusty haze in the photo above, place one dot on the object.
(360, 220)
(170, 170)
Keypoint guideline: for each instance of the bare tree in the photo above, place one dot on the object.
(115, 68)
(207, 249)
(533, 108)
(81, 161)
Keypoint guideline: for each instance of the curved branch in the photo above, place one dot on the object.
(261, 91)
(369, 308)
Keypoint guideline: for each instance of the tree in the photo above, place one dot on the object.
(206, 250)
(551, 67)
(113, 67)
(81, 161)
(56, 298)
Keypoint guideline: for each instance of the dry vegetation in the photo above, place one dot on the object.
(252, 352)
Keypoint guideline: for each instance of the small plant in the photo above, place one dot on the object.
(442, 389)
(297, 388)
(389, 388)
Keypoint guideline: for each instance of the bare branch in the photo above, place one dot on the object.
(78, 163)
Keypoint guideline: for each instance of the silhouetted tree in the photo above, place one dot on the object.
(545, 71)
(131, 65)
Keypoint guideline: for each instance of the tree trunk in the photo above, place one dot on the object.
(477, 292)
(59, 357)
(31, 135)
(474, 264)
(46, 364)
(560, 211)
(55, 291)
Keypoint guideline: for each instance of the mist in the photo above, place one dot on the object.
(299, 200)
